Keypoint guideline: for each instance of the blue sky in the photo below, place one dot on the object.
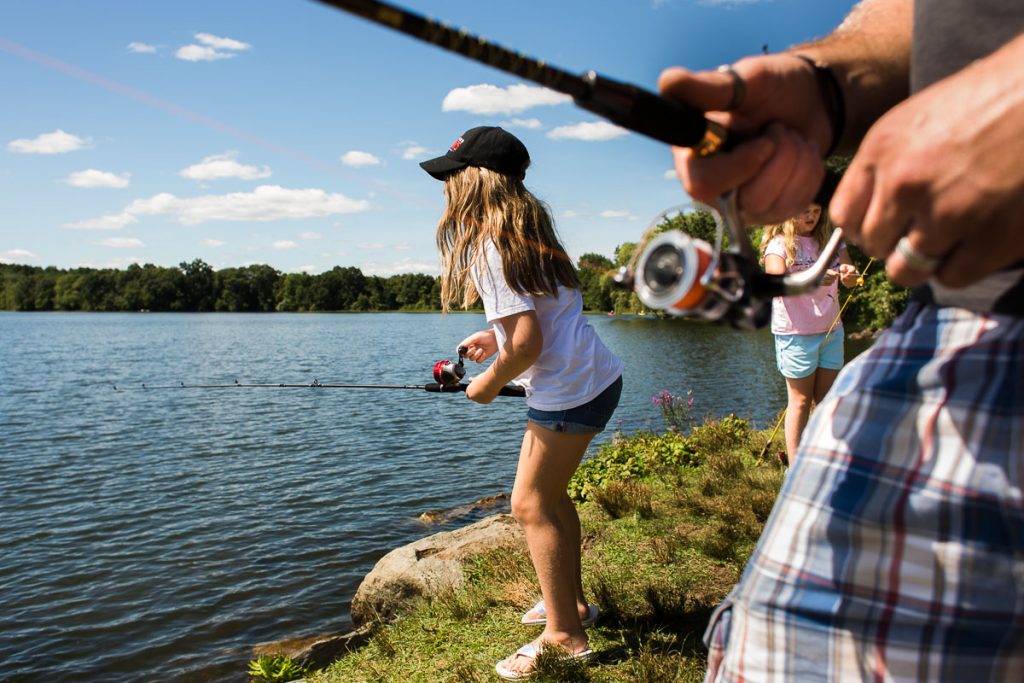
(287, 133)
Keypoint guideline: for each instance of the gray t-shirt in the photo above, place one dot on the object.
(949, 35)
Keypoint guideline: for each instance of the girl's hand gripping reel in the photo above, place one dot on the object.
(448, 378)
(683, 276)
(449, 374)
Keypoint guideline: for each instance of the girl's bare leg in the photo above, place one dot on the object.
(823, 379)
(547, 461)
(798, 409)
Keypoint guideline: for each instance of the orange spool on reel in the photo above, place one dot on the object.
(670, 271)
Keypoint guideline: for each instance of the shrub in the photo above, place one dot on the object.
(275, 669)
(621, 498)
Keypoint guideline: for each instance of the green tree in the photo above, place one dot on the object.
(412, 291)
(292, 292)
(198, 286)
(595, 277)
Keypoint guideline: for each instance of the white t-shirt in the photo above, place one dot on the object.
(574, 365)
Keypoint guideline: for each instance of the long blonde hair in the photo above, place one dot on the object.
(482, 205)
(787, 229)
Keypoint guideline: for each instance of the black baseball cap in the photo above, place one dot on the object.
(489, 147)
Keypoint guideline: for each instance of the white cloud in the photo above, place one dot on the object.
(120, 242)
(372, 245)
(17, 256)
(411, 151)
(310, 235)
(198, 53)
(223, 166)
(218, 43)
(407, 265)
(590, 131)
(57, 142)
(312, 270)
(143, 48)
(522, 123)
(354, 157)
(284, 244)
(212, 243)
(671, 174)
(93, 178)
(490, 99)
(615, 213)
(403, 247)
(114, 221)
(265, 203)
(212, 48)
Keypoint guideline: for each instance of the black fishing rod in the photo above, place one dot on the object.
(627, 105)
(733, 287)
(624, 104)
(448, 377)
(433, 387)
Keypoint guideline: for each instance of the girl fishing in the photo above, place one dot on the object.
(808, 331)
(498, 245)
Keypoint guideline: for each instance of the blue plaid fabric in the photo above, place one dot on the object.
(895, 551)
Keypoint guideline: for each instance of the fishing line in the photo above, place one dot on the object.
(448, 377)
(110, 85)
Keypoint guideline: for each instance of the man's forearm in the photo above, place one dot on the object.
(869, 53)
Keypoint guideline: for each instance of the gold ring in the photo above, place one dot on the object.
(915, 259)
(739, 88)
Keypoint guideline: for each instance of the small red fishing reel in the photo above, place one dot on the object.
(447, 373)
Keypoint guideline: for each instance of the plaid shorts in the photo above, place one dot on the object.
(895, 551)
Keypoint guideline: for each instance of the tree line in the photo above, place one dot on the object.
(196, 286)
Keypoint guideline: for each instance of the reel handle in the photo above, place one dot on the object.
(507, 390)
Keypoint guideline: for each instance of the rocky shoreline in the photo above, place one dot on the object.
(421, 569)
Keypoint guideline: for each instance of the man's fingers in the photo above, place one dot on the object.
(789, 182)
(704, 90)
(851, 199)
(909, 264)
(708, 178)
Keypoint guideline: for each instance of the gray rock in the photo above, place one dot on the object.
(429, 566)
(316, 652)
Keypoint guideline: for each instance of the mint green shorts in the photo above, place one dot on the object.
(799, 355)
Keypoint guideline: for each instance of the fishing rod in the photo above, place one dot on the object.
(671, 275)
(433, 387)
(624, 104)
(448, 377)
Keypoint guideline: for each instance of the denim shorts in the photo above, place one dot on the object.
(799, 355)
(589, 418)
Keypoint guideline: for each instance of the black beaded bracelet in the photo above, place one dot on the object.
(832, 95)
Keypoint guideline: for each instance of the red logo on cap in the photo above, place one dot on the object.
(455, 145)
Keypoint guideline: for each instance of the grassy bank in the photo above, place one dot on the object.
(669, 522)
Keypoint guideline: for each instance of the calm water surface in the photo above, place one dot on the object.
(158, 535)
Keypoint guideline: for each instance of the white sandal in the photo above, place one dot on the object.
(530, 651)
(593, 612)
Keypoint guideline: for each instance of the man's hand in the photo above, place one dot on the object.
(944, 168)
(778, 169)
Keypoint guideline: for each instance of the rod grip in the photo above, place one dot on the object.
(507, 390)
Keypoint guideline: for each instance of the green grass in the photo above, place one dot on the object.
(662, 547)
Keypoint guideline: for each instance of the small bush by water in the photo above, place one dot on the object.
(668, 520)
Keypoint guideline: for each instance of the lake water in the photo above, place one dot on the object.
(157, 535)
